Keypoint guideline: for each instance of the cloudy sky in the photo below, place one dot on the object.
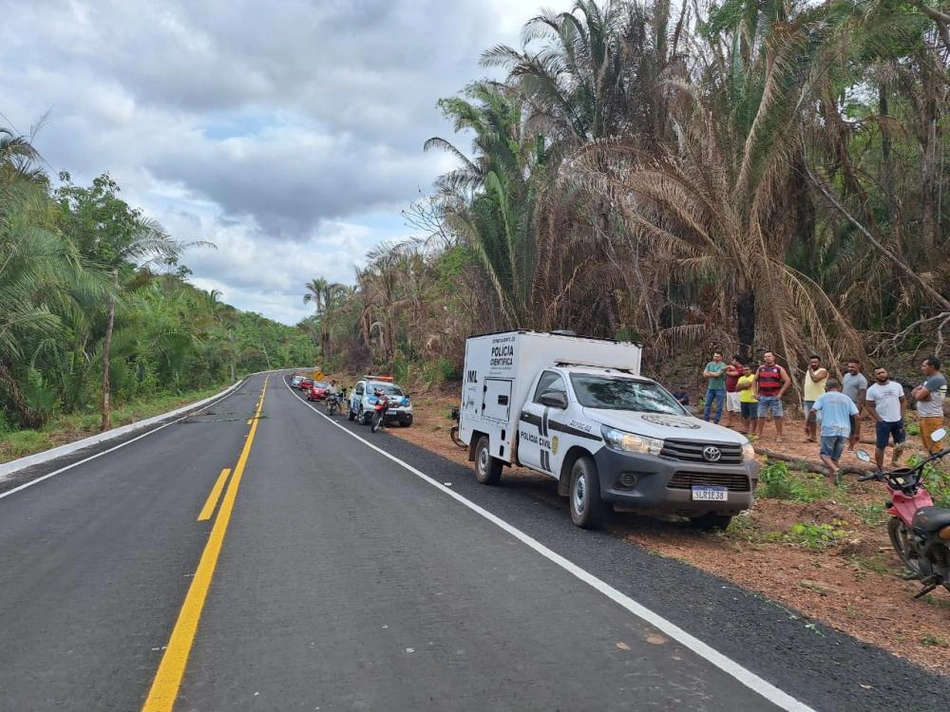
(289, 134)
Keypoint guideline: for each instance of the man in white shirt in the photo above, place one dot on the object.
(885, 400)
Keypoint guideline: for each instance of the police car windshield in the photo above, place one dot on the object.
(623, 394)
(388, 389)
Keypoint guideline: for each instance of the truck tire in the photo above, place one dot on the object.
(487, 468)
(588, 510)
(711, 521)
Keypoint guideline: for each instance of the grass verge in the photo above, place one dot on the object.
(64, 429)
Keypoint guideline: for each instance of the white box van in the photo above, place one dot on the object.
(578, 410)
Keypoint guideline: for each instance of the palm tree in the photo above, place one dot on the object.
(118, 238)
(323, 294)
(489, 201)
(588, 75)
(722, 201)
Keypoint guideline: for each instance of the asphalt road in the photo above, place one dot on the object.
(332, 577)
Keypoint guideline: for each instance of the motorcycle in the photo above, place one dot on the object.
(379, 413)
(919, 531)
(333, 404)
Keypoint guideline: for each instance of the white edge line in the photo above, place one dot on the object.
(190, 413)
(727, 665)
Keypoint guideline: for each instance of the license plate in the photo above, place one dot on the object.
(711, 494)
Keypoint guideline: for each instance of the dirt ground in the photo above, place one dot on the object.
(829, 559)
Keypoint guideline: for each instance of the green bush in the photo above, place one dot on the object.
(777, 481)
(817, 536)
(936, 480)
(448, 371)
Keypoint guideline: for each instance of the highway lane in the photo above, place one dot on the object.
(345, 582)
(95, 563)
(349, 583)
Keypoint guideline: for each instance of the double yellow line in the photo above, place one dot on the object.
(171, 671)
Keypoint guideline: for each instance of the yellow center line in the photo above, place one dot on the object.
(171, 671)
(212, 500)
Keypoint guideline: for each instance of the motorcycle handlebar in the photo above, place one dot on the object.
(919, 466)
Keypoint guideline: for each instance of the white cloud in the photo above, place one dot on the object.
(286, 134)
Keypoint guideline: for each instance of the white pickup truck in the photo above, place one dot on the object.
(576, 409)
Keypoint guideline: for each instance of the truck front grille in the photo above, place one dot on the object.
(688, 451)
(734, 481)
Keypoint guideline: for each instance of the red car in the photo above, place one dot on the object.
(305, 384)
(318, 390)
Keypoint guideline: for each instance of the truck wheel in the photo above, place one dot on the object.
(710, 521)
(587, 508)
(487, 468)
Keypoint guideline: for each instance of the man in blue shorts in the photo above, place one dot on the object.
(885, 399)
(838, 414)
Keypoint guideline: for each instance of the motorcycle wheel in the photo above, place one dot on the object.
(377, 422)
(900, 540)
(454, 434)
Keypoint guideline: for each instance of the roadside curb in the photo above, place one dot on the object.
(10, 468)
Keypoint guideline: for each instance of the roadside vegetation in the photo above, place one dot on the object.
(98, 322)
(740, 174)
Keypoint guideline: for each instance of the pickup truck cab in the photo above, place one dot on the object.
(577, 410)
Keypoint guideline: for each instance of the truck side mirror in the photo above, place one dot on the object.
(554, 399)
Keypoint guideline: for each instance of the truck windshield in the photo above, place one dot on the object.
(623, 394)
(387, 388)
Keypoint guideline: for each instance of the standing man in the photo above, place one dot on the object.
(929, 396)
(716, 388)
(815, 378)
(681, 395)
(856, 388)
(748, 403)
(885, 399)
(733, 371)
(770, 383)
(838, 416)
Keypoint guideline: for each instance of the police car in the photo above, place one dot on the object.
(363, 398)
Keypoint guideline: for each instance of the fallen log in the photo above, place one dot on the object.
(811, 465)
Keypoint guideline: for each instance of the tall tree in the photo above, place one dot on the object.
(117, 237)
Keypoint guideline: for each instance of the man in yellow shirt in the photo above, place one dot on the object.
(748, 402)
(815, 379)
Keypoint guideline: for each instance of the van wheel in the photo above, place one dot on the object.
(587, 508)
(710, 521)
(487, 468)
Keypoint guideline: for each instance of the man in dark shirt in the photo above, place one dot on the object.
(681, 395)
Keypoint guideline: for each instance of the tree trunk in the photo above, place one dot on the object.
(887, 171)
(745, 316)
(106, 348)
(928, 176)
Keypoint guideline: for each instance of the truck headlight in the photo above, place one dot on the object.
(630, 442)
(748, 452)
